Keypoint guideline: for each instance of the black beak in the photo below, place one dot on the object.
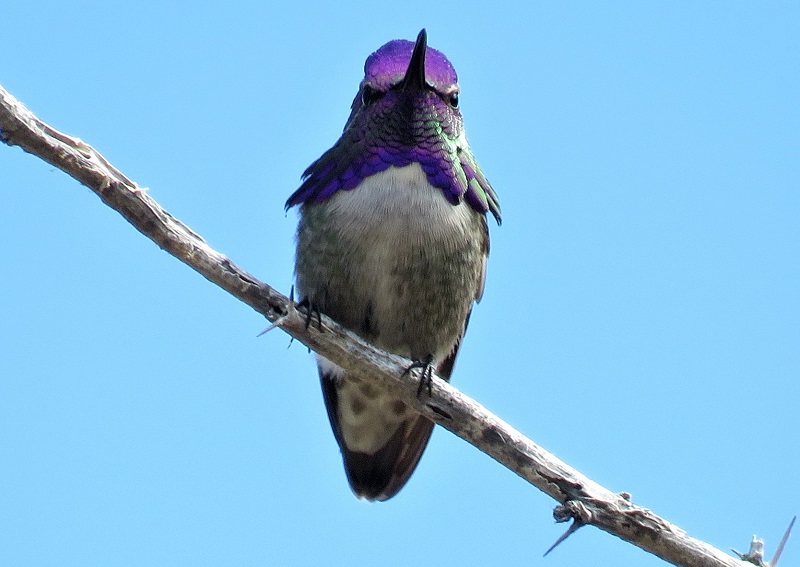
(415, 74)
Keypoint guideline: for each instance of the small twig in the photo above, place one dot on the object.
(782, 544)
(755, 554)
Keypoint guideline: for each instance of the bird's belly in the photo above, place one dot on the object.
(394, 261)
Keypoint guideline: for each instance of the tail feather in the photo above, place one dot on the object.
(379, 475)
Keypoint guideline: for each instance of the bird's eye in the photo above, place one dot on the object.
(453, 100)
(370, 95)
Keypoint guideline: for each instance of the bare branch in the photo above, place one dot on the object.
(581, 499)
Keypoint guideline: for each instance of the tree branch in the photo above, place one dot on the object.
(581, 499)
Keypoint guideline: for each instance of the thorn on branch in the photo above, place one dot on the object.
(277, 323)
(291, 310)
(571, 509)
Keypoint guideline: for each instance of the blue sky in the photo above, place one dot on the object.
(641, 318)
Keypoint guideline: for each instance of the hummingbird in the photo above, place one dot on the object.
(392, 243)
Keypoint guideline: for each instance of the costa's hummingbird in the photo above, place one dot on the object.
(392, 243)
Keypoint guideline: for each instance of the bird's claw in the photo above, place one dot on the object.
(311, 310)
(426, 377)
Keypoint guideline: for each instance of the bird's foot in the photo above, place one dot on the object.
(311, 310)
(426, 378)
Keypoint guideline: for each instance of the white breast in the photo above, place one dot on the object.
(400, 205)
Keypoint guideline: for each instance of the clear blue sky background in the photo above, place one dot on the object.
(641, 317)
